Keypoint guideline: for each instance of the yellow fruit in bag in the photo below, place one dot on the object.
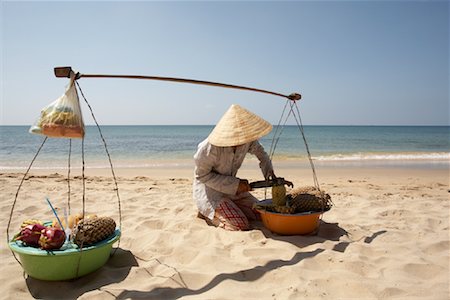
(61, 118)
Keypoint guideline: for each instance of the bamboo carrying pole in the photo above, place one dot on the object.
(67, 71)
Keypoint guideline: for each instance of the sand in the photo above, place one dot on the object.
(387, 237)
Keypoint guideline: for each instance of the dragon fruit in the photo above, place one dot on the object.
(30, 234)
(52, 238)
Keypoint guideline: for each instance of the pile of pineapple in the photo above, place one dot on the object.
(90, 229)
(297, 200)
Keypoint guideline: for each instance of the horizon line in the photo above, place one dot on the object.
(335, 125)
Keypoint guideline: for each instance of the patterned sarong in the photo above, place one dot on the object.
(235, 214)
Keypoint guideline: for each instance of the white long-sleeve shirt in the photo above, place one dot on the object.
(216, 169)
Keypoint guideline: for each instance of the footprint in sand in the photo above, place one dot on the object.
(392, 292)
(438, 247)
(152, 224)
(423, 271)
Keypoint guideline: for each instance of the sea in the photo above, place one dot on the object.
(174, 146)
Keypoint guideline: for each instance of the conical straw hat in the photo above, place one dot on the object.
(238, 126)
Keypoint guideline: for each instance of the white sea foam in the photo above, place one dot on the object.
(412, 157)
(434, 156)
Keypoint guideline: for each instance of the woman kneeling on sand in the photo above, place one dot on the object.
(223, 200)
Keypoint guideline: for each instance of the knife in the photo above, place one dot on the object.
(270, 183)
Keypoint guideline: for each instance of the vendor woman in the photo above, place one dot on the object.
(223, 199)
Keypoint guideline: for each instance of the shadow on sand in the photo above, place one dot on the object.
(115, 270)
(120, 264)
(242, 275)
(327, 231)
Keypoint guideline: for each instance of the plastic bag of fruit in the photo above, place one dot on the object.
(62, 118)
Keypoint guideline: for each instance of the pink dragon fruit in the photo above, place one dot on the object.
(30, 234)
(52, 238)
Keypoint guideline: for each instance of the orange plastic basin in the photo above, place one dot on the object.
(290, 224)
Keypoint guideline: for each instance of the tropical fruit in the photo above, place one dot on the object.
(38, 235)
(93, 230)
(31, 222)
(279, 195)
(30, 234)
(72, 220)
(305, 199)
(52, 238)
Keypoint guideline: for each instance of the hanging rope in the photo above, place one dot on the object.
(116, 187)
(83, 178)
(68, 177)
(17, 194)
(276, 137)
(300, 126)
(275, 134)
(83, 201)
(279, 131)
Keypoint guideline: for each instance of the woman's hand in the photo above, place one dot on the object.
(243, 186)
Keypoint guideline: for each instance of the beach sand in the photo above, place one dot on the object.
(387, 236)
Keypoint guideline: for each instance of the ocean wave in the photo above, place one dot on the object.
(61, 165)
(434, 156)
(119, 165)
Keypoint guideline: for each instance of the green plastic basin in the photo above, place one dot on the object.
(66, 263)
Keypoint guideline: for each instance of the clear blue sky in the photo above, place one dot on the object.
(355, 63)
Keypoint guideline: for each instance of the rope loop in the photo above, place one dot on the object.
(279, 129)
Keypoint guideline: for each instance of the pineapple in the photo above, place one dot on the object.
(279, 195)
(308, 199)
(93, 230)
